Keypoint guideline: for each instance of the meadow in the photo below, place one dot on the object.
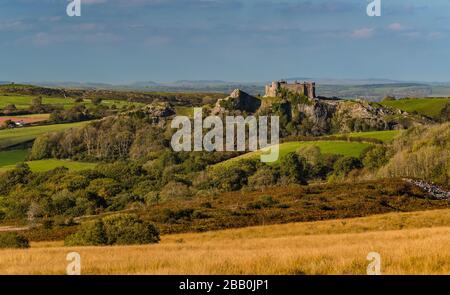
(23, 102)
(15, 136)
(8, 158)
(409, 243)
(345, 148)
(430, 107)
(46, 165)
(385, 136)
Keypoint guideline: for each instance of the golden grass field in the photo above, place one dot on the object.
(409, 243)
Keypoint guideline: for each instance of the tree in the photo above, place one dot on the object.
(10, 108)
(96, 100)
(294, 168)
(121, 229)
(90, 234)
(105, 188)
(344, 165)
(13, 240)
(127, 229)
(265, 176)
(375, 157)
(36, 102)
(36, 105)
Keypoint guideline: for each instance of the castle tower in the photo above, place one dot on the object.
(306, 88)
(311, 89)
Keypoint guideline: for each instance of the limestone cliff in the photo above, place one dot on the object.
(319, 116)
(237, 101)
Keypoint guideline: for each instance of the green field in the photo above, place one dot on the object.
(49, 164)
(345, 148)
(11, 137)
(24, 101)
(430, 107)
(185, 111)
(12, 157)
(385, 136)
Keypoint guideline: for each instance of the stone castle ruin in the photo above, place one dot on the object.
(306, 88)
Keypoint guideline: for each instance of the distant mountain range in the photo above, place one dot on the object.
(371, 89)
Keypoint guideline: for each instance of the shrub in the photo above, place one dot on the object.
(122, 229)
(47, 223)
(294, 168)
(90, 234)
(268, 201)
(265, 176)
(172, 216)
(344, 165)
(127, 229)
(264, 202)
(207, 205)
(13, 240)
(96, 100)
(228, 178)
(375, 157)
(175, 190)
(106, 188)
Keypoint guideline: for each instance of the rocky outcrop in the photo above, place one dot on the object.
(158, 113)
(319, 113)
(432, 189)
(237, 101)
(362, 115)
(159, 109)
(324, 116)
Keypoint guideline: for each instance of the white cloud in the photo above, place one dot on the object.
(363, 33)
(12, 25)
(396, 27)
(93, 1)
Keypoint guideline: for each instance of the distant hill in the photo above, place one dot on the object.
(369, 89)
(331, 81)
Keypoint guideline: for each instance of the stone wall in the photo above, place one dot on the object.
(306, 88)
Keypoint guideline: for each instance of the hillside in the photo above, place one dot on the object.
(176, 98)
(12, 137)
(422, 152)
(176, 213)
(431, 107)
(349, 149)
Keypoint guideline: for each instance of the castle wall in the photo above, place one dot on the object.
(308, 89)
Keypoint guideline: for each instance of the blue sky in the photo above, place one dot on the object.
(122, 41)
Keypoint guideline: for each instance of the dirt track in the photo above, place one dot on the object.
(12, 228)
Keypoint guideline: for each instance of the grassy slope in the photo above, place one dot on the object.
(49, 164)
(24, 101)
(409, 243)
(12, 157)
(385, 136)
(10, 137)
(430, 107)
(185, 111)
(327, 147)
